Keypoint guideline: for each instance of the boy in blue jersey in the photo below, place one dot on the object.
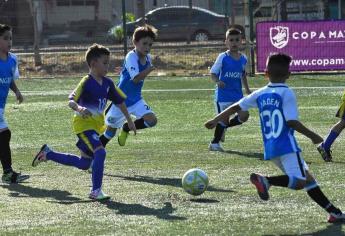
(88, 101)
(325, 147)
(136, 67)
(8, 74)
(278, 112)
(228, 72)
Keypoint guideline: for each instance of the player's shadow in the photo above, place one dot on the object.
(257, 155)
(330, 230)
(175, 182)
(164, 213)
(22, 191)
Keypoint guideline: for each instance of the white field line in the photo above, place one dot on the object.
(66, 92)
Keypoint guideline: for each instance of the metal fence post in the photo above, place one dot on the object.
(124, 28)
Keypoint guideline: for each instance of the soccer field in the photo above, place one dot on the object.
(144, 177)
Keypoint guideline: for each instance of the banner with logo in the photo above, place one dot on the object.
(313, 45)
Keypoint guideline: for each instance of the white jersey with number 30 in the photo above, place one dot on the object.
(277, 105)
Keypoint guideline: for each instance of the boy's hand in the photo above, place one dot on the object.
(151, 68)
(211, 124)
(220, 84)
(118, 70)
(132, 127)
(19, 97)
(84, 112)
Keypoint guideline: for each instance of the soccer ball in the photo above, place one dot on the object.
(195, 181)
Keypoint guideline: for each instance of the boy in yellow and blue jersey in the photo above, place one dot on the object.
(88, 101)
(325, 147)
(9, 73)
(228, 72)
(278, 114)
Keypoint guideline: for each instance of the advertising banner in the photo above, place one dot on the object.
(313, 45)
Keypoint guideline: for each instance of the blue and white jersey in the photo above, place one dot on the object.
(131, 68)
(231, 72)
(277, 105)
(8, 73)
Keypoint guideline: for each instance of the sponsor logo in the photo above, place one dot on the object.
(279, 36)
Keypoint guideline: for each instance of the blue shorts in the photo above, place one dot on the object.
(88, 141)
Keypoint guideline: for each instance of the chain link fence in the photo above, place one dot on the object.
(191, 32)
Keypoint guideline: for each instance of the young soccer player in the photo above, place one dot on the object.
(88, 101)
(325, 147)
(279, 118)
(228, 72)
(8, 74)
(136, 67)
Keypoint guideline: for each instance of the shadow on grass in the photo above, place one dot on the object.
(22, 191)
(204, 200)
(175, 182)
(257, 155)
(331, 229)
(133, 209)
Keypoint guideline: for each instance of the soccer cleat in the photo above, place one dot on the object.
(325, 154)
(13, 177)
(336, 218)
(98, 195)
(261, 185)
(121, 139)
(215, 147)
(41, 155)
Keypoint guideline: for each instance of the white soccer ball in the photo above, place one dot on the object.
(195, 181)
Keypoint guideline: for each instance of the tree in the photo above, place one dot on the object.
(34, 5)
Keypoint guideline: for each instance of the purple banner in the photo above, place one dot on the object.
(313, 45)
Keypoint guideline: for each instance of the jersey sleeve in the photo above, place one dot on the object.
(131, 64)
(77, 92)
(115, 94)
(249, 102)
(290, 109)
(15, 71)
(217, 66)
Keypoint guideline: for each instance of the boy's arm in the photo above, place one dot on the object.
(299, 127)
(245, 83)
(216, 79)
(142, 75)
(17, 92)
(82, 110)
(223, 116)
(122, 106)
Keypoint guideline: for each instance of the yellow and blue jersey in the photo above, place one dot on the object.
(94, 96)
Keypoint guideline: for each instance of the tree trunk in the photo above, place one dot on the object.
(141, 11)
(33, 9)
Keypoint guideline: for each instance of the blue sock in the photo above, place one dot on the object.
(332, 136)
(98, 168)
(69, 160)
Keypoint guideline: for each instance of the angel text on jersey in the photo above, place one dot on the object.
(234, 75)
(5, 80)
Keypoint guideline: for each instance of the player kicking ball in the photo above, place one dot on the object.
(278, 112)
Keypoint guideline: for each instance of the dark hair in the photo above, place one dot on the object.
(95, 51)
(233, 31)
(278, 65)
(145, 31)
(4, 28)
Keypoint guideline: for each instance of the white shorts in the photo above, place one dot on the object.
(115, 118)
(221, 106)
(3, 123)
(292, 164)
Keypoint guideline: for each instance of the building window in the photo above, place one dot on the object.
(62, 3)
